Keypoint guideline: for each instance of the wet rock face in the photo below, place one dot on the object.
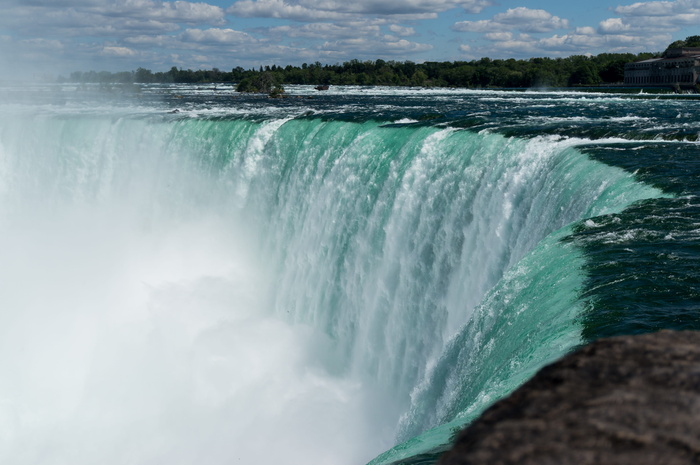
(624, 400)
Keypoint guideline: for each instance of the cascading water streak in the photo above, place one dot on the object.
(182, 289)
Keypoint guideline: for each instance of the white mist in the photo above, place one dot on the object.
(135, 316)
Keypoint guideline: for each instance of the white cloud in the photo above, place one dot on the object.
(181, 11)
(280, 9)
(325, 31)
(351, 39)
(49, 45)
(378, 47)
(95, 31)
(151, 33)
(528, 20)
(641, 26)
(103, 17)
(585, 30)
(149, 40)
(322, 10)
(499, 36)
(216, 36)
(404, 46)
(118, 51)
(649, 8)
(484, 25)
(655, 16)
(575, 43)
(613, 26)
(178, 11)
(402, 31)
(521, 19)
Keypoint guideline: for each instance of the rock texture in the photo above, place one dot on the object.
(624, 400)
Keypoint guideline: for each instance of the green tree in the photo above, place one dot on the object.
(263, 83)
(585, 74)
(692, 41)
(143, 75)
(419, 78)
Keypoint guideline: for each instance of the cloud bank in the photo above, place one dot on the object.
(60, 35)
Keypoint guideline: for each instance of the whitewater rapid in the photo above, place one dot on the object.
(178, 289)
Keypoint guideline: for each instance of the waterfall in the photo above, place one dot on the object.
(186, 290)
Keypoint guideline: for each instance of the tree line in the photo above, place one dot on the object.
(578, 70)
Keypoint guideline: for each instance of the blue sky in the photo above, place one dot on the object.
(59, 36)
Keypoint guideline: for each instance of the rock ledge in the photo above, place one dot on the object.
(624, 400)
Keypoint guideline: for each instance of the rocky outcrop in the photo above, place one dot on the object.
(624, 400)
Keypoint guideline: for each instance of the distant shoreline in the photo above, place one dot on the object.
(574, 71)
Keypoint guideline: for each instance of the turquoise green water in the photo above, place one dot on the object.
(355, 275)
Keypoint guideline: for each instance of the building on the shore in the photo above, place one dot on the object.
(678, 67)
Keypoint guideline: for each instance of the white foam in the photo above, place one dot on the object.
(137, 324)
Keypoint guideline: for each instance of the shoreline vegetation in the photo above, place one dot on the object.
(573, 71)
(605, 69)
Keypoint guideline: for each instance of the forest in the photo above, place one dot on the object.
(573, 71)
(577, 70)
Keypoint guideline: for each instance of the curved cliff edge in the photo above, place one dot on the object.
(624, 400)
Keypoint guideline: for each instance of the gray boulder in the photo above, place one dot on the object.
(624, 400)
